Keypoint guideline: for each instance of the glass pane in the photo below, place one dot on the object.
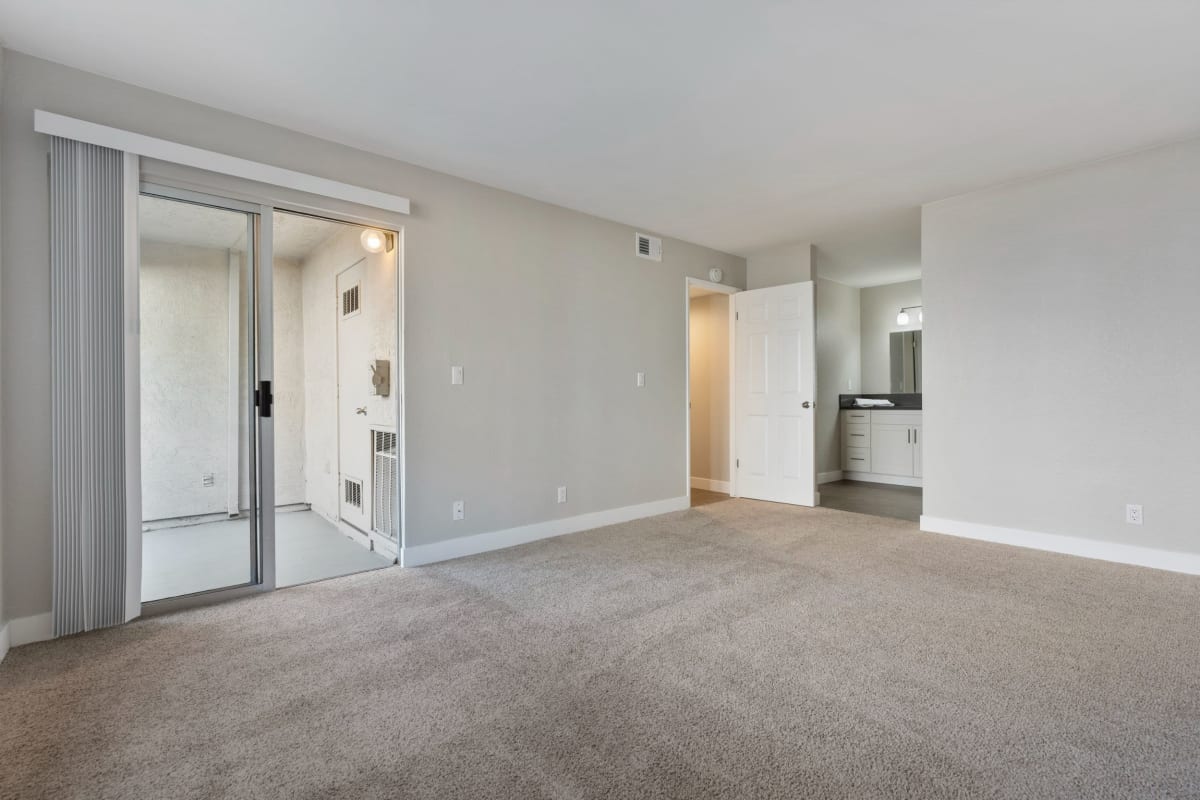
(336, 471)
(196, 376)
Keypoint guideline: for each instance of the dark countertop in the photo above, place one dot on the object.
(903, 402)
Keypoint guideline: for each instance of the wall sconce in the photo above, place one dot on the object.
(375, 241)
(903, 317)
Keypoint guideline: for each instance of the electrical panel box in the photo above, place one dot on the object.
(381, 377)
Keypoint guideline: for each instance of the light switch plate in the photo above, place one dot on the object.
(562, 494)
(641, 379)
(456, 376)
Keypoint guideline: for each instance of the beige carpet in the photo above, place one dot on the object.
(739, 650)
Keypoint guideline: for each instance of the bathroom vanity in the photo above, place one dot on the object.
(883, 445)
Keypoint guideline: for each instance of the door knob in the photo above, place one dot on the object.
(806, 404)
(362, 411)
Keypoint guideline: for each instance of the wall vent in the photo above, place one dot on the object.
(385, 483)
(353, 492)
(350, 301)
(648, 246)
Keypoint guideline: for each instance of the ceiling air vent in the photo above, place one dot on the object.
(648, 246)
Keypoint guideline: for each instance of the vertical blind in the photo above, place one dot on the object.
(87, 385)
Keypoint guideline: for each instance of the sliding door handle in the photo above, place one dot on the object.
(263, 398)
(806, 404)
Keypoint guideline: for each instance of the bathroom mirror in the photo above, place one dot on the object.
(906, 361)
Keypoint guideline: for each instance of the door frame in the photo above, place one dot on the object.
(730, 291)
(180, 182)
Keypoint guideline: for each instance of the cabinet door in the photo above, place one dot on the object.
(891, 450)
(916, 450)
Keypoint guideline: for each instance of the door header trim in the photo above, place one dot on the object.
(165, 150)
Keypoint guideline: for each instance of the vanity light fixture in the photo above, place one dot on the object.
(375, 241)
(903, 317)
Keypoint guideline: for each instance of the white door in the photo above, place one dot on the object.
(354, 387)
(774, 390)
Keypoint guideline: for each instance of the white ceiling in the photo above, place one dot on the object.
(169, 221)
(735, 125)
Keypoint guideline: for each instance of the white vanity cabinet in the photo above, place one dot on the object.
(882, 445)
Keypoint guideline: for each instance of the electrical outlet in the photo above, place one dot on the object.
(562, 494)
(641, 379)
(1133, 514)
(458, 511)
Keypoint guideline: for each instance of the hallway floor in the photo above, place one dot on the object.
(877, 499)
(195, 558)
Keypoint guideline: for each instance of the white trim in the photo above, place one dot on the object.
(829, 477)
(133, 390)
(496, 540)
(233, 411)
(4, 645)
(1070, 545)
(875, 477)
(164, 150)
(708, 484)
(27, 630)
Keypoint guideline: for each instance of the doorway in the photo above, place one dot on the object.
(709, 376)
(240, 373)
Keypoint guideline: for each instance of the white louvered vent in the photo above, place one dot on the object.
(385, 484)
(353, 489)
(350, 301)
(648, 246)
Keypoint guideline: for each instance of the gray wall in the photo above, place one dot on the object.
(3, 617)
(839, 365)
(521, 293)
(709, 358)
(1061, 351)
(778, 266)
(880, 305)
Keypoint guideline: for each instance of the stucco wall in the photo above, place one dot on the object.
(288, 386)
(184, 379)
(185, 298)
(320, 299)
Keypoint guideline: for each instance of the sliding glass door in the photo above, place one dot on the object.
(205, 398)
(269, 375)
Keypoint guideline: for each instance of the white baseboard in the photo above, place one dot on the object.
(496, 540)
(4, 645)
(1070, 545)
(829, 477)
(27, 630)
(875, 477)
(710, 485)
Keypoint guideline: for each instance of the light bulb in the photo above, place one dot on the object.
(373, 241)
(902, 318)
